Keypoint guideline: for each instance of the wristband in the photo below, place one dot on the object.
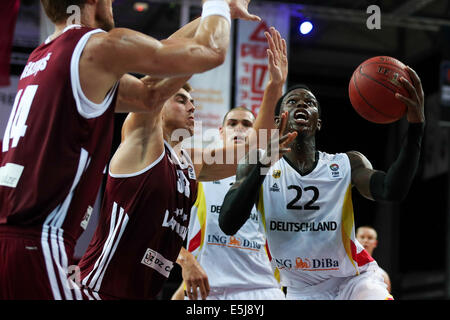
(216, 8)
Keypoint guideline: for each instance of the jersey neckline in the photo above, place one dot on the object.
(48, 40)
(304, 174)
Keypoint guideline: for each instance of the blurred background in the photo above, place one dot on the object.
(414, 237)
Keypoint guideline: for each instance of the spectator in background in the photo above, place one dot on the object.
(368, 237)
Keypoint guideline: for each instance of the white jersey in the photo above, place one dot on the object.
(238, 261)
(309, 222)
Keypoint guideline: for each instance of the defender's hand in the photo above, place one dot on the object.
(239, 10)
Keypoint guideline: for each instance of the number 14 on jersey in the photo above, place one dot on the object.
(16, 127)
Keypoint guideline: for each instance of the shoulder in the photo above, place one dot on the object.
(358, 160)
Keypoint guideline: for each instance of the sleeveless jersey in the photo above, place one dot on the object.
(144, 220)
(56, 143)
(238, 261)
(309, 221)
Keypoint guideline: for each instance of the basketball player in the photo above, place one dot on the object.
(368, 238)
(231, 268)
(57, 141)
(222, 267)
(151, 187)
(305, 202)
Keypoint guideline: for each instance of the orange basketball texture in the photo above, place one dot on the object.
(373, 86)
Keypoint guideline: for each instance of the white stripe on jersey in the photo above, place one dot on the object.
(122, 229)
(57, 216)
(55, 255)
(105, 247)
(49, 263)
(61, 268)
(109, 248)
(86, 292)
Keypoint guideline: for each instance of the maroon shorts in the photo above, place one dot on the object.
(36, 264)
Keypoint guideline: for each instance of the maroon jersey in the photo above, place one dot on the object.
(144, 223)
(57, 142)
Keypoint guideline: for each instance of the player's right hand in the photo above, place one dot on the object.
(415, 104)
(278, 146)
(239, 10)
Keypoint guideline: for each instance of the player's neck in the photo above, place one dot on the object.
(60, 27)
(303, 153)
(175, 144)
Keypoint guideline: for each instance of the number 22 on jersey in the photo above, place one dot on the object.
(16, 127)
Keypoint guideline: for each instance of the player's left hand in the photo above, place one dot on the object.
(415, 103)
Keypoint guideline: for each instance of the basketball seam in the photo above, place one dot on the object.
(376, 110)
(380, 83)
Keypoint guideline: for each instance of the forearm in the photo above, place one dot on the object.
(265, 117)
(146, 94)
(240, 199)
(187, 31)
(184, 257)
(178, 56)
(395, 183)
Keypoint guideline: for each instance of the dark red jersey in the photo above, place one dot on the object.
(56, 143)
(144, 223)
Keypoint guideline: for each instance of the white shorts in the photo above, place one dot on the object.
(245, 294)
(368, 285)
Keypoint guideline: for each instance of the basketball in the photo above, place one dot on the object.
(373, 86)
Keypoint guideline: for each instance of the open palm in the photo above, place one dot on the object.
(277, 56)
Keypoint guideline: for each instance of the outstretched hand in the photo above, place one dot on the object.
(278, 145)
(277, 56)
(415, 102)
(239, 10)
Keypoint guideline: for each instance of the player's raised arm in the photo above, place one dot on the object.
(243, 195)
(147, 93)
(108, 56)
(395, 183)
(278, 69)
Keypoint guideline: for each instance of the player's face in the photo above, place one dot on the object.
(237, 126)
(178, 112)
(104, 15)
(368, 238)
(302, 107)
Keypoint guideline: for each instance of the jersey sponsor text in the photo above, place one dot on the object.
(157, 262)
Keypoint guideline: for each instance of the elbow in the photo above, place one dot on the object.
(228, 230)
(392, 196)
(227, 222)
(395, 197)
(215, 58)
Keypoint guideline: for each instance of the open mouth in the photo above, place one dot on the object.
(301, 117)
(239, 139)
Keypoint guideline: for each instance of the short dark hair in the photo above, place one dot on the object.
(187, 87)
(292, 88)
(237, 108)
(56, 10)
